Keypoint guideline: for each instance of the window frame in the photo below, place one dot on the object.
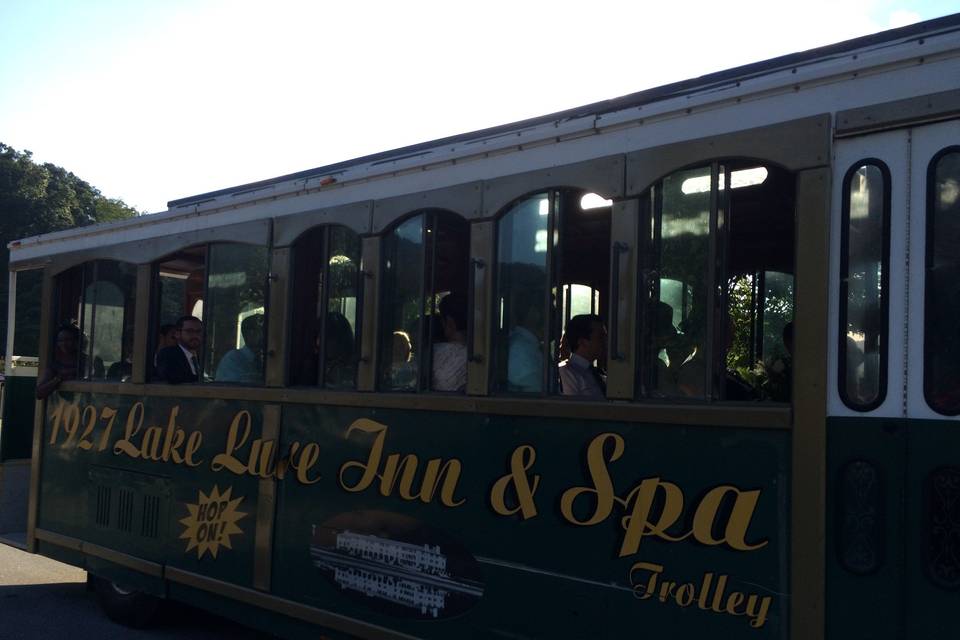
(155, 320)
(843, 292)
(930, 200)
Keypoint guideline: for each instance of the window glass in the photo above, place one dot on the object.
(423, 341)
(26, 330)
(99, 299)
(675, 361)
(324, 308)
(718, 285)
(941, 370)
(402, 306)
(522, 236)
(863, 287)
(234, 312)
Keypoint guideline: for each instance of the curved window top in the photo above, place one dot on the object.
(941, 352)
(224, 286)
(98, 300)
(864, 285)
(423, 335)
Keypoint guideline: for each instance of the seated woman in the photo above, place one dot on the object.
(449, 372)
(66, 362)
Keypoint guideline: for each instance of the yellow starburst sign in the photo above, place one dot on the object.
(212, 520)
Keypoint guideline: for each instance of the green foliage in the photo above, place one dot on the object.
(40, 198)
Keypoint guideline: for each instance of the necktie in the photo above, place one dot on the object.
(598, 375)
(196, 366)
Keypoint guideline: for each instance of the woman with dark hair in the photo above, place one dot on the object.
(65, 363)
(449, 372)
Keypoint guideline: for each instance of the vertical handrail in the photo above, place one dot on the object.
(619, 248)
(476, 265)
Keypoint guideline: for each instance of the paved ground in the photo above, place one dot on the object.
(41, 599)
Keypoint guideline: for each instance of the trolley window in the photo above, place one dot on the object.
(99, 299)
(224, 285)
(325, 308)
(941, 362)
(717, 245)
(864, 278)
(423, 304)
(553, 257)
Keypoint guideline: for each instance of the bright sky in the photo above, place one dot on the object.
(155, 100)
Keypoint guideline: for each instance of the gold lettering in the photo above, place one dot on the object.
(130, 429)
(638, 524)
(641, 591)
(152, 442)
(399, 472)
(684, 595)
(521, 461)
(308, 457)
(369, 468)
(758, 618)
(739, 521)
(235, 440)
(193, 445)
(602, 489)
(110, 415)
(734, 601)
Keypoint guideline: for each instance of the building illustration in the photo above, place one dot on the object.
(412, 576)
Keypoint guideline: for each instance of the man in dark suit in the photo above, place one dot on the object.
(180, 363)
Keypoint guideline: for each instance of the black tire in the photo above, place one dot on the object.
(124, 605)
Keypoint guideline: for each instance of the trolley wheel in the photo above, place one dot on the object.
(124, 605)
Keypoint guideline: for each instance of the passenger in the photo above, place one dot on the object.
(167, 338)
(450, 357)
(403, 369)
(692, 378)
(779, 382)
(179, 363)
(122, 369)
(524, 348)
(244, 365)
(340, 366)
(65, 363)
(667, 340)
(586, 338)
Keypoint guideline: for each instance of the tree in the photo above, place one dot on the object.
(40, 198)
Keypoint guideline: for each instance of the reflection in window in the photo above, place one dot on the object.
(553, 265)
(675, 361)
(522, 291)
(941, 363)
(99, 298)
(326, 287)
(424, 304)
(863, 285)
(26, 328)
(224, 285)
(234, 313)
(718, 285)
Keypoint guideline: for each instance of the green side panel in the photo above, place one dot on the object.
(893, 517)
(865, 541)
(134, 486)
(16, 431)
(933, 529)
(440, 525)
(356, 542)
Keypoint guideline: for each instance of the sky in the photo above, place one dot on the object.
(151, 101)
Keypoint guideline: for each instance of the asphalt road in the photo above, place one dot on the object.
(42, 599)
